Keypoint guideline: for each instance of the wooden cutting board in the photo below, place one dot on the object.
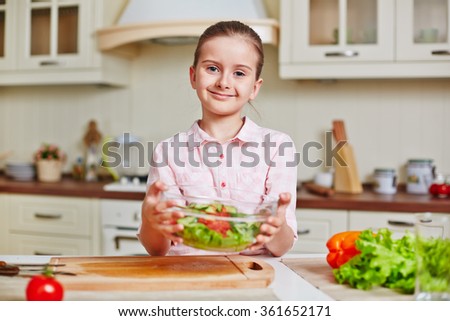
(317, 272)
(134, 273)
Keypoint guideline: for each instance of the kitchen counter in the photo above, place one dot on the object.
(367, 201)
(286, 286)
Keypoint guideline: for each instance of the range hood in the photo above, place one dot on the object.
(181, 21)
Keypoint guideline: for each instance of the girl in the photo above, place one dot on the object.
(226, 75)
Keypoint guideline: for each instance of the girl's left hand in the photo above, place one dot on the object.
(273, 224)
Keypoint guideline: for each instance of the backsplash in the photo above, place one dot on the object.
(387, 121)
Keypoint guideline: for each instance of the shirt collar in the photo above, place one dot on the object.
(249, 132)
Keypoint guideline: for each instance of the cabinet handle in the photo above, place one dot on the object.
(303, 232)
(345, 54)
(48, 216)
(119, 238)
(47, 254)
(400, 223)
(441, 52)
(49, 63)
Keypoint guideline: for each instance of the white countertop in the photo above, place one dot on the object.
(287, 285)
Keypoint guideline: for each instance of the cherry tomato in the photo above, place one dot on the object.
(434, 189)
(44, 288)
(443, 190)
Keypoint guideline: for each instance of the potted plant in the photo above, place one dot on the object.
(49, 162)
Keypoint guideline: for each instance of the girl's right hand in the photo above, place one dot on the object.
(160, 220)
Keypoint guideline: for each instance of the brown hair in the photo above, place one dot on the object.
(230, 29)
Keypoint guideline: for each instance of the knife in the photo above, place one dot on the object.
(3, 263)
(13, 270)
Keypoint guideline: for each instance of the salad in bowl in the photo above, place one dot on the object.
(220, 219)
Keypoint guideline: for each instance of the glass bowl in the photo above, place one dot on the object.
(220, 219)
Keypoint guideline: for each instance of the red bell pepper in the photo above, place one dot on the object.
(342, 248)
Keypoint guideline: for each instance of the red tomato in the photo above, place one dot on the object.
(219, 226)
(434, 189)
(44, 288)
(443, 190)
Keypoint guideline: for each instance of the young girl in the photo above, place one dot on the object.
(226, 76)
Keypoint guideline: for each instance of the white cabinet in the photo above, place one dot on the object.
(315, 227)
(52, 225)
(397, 222)
(423, 30)
(364, 39)
(7, 36)
(54, 42)
(3, 225)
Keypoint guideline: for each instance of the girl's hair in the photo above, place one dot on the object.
(232, 29)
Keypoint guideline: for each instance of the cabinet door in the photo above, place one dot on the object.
(55, 34)
(423, 30)
(51, 215)
(22, 244)
(7, 37)
(398, 223)
(315, 227)
(333, 31)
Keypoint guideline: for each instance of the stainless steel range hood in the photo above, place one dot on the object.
(181, 21)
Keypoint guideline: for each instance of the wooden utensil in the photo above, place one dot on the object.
(346, 177)
(152, 273)
(317, 189)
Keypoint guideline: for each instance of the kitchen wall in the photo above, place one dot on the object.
(388, 121)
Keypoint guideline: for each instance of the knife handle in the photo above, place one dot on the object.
(9, 270)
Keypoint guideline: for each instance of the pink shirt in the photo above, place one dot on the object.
(257, 159)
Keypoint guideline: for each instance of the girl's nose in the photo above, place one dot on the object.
(223, 82)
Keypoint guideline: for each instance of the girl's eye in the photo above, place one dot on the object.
(239, 73)
(213, 68)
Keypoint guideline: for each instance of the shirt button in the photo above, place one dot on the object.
(221, 156)
(223, 184)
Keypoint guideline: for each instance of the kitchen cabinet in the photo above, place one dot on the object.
(364, 39)
(3, 225)
(54, 42)
(397, 222)
(52, 225)
(7, 38)
(315, 227)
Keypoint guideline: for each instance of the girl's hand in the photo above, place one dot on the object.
(273, 225)
(160, 220)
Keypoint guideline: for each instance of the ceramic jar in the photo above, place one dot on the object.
(385, 181)
(49, 170)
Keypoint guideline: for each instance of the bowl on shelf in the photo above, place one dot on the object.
(220, 219)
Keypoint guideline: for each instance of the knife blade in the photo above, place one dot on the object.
(13, 270)
(3, 263)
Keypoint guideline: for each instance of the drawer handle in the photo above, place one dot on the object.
(47, 254)
(345, 54)
(441, 52)
(303, 232)
(400, 223)
(48, 216)
(119, 238)
(49, 63)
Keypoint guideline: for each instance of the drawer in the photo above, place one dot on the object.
(45, 245)
(315, 227)
(398, 223)
(50, 215)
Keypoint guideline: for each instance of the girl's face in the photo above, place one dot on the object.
(224, 77)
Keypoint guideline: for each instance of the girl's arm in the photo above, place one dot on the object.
(157, 229)
(279, 233)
